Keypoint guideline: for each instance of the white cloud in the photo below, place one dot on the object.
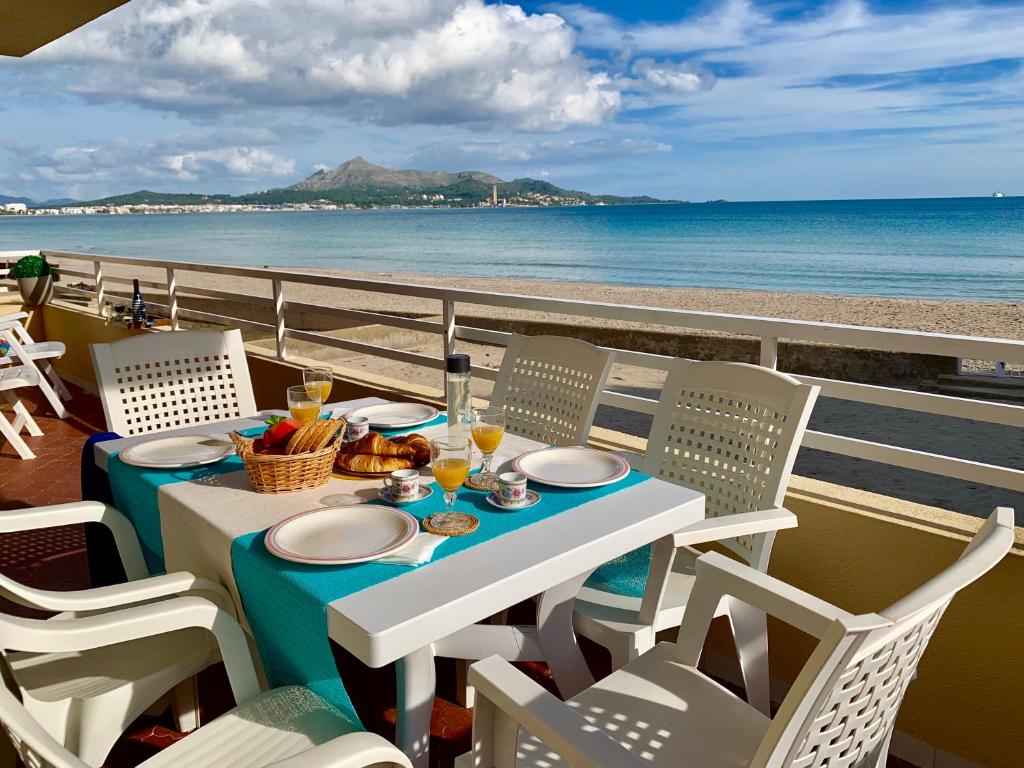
(481, 155)
(176, 159)
(397, 61)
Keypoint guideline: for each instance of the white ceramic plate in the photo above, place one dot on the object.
(178, 452)
(572, 467)
(342, 535)
(395, 415)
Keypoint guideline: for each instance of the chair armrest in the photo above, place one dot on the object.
(12, 318)
(83, 512)
(353, 750)
(741, 524)
(517, 697)
(137, 622)
(721, 578)
(119, 595)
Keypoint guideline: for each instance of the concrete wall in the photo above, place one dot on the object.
(858, 550)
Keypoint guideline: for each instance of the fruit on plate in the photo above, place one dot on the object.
(279, 432)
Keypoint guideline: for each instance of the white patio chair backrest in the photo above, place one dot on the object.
(160, 381)
(550, 387)
(731, 431)
(841, 709)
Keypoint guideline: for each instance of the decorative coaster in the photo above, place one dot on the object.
(482, 482)
(451, 523)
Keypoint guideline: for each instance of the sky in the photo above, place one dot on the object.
(731, 99)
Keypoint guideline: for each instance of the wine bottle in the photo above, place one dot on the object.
(138, 307)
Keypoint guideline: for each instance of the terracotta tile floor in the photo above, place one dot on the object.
(56, 559)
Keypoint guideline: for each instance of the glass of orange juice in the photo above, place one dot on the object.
(319, 379)
(304, 403)
(450, 458)
(487, 427)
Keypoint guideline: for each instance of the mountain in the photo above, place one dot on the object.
(359, 173)
(359, 182)
(4, 199)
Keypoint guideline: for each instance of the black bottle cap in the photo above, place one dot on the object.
(458, 364)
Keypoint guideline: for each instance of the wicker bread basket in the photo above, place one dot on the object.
(281, 474)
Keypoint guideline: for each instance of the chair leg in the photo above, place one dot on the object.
(750, 631)
(185, 705)
(622, 654)
(58, 383)
(10, 434)
(52, 397)
(465, 692)
(23, 419)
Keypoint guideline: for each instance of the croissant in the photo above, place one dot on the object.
(364, 462)
(374, 443)
(419, 444)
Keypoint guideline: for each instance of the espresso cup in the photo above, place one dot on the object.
(512, 489)
(404, 484)
(356, 427)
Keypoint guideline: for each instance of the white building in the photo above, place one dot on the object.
(15, 208)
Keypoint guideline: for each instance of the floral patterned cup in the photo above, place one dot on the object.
(404, 484)
(512, 489)
(356, 427)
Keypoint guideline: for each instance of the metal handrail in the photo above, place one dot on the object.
(768, 330)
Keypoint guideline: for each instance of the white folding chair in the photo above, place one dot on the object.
(285, 728)
(158, 381)
(20, 376)
(732, 431)
(550, 387)
(40, 352)
(85, 697)
(660, 710)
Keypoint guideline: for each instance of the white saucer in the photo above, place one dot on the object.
(395, 415)
(532, 497)
(384, 494)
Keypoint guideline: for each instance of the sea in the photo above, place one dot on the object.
(953, 248)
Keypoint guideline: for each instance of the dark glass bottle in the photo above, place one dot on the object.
(138, 308)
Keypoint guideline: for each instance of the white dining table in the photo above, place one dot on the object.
(438, 609)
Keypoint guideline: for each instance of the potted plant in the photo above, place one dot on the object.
(35, 279)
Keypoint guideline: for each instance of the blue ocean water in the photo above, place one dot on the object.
(956, 248)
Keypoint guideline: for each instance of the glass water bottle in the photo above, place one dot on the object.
(459, 397)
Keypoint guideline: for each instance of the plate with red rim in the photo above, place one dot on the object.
(573, 466)
(342, 535)
(395, 415)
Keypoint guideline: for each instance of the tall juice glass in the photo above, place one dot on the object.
(487, 428)
(450, 457)
(319, 379)
(304, 403)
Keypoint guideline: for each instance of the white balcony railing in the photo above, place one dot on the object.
(768, 330)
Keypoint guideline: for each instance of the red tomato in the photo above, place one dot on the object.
(258, 446)
(280, 433)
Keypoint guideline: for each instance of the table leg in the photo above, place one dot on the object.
(416, 685)
(558, 640)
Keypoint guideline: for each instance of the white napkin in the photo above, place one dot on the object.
(416, 552)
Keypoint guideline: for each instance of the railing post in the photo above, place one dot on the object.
(448, 320)
(172, 298)
(97, 271)
(282, 343)
(770, 352)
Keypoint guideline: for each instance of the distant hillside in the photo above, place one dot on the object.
(358, 173)
(35, 203)
(146, 197)
(361, 183)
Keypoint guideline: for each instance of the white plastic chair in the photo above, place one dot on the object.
(285, 728)
(732, 431)
(85, 697)
(174, 379)
(660, 710)
(40, 352)
(550, 387)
